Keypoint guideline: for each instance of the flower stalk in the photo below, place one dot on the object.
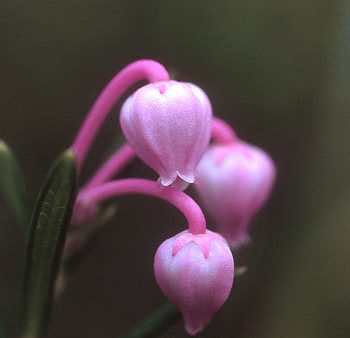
(183, 202)
(221, 133)
(140, 70)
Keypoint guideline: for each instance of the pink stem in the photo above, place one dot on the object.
(222, 132)
(183, 202)
(112, 167)
(137, 71)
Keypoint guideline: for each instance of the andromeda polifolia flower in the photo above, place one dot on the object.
(168, 124)
(234, 181)
(195, 272)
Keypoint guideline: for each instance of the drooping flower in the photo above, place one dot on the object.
(195, 272)
(234, 181)
(168, 124)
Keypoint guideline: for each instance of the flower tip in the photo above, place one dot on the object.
(193, 329)
(189, 178)
(179, 181)
(239, 241)
(195, 324)
(165, 182)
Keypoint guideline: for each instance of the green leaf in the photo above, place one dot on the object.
(49, 225)
(156, 323)
(12, 187)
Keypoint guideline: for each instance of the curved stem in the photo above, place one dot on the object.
(112, 167)
(222, 132)
(137, 71)
(183, 202)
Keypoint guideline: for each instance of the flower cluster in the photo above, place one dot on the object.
(169, 126)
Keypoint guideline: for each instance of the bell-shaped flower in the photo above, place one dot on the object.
(234, 181)
(195, 272)
(168, 124)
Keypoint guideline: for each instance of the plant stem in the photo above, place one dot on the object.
(112, 167)
(137, 71)
(182, 201)
(222, 132)
(155, 323)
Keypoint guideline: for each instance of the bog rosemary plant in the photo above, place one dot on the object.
(170, 126)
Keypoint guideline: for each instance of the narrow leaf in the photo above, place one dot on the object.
(12, 187)
(49, 225)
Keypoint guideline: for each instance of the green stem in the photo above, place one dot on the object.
(155, 323)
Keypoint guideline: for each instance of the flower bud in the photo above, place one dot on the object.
(168, 124)
(195, 272)
(234, 181)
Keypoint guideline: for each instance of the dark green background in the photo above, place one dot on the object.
(279, 71)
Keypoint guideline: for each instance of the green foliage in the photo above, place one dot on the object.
(12, 187)
(49, 225)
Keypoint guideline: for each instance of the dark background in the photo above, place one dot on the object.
(278, 71)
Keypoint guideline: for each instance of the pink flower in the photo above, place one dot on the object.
(234, 181)
(195, 272)
(168, 124)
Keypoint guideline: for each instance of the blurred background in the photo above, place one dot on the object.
(278, 71)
